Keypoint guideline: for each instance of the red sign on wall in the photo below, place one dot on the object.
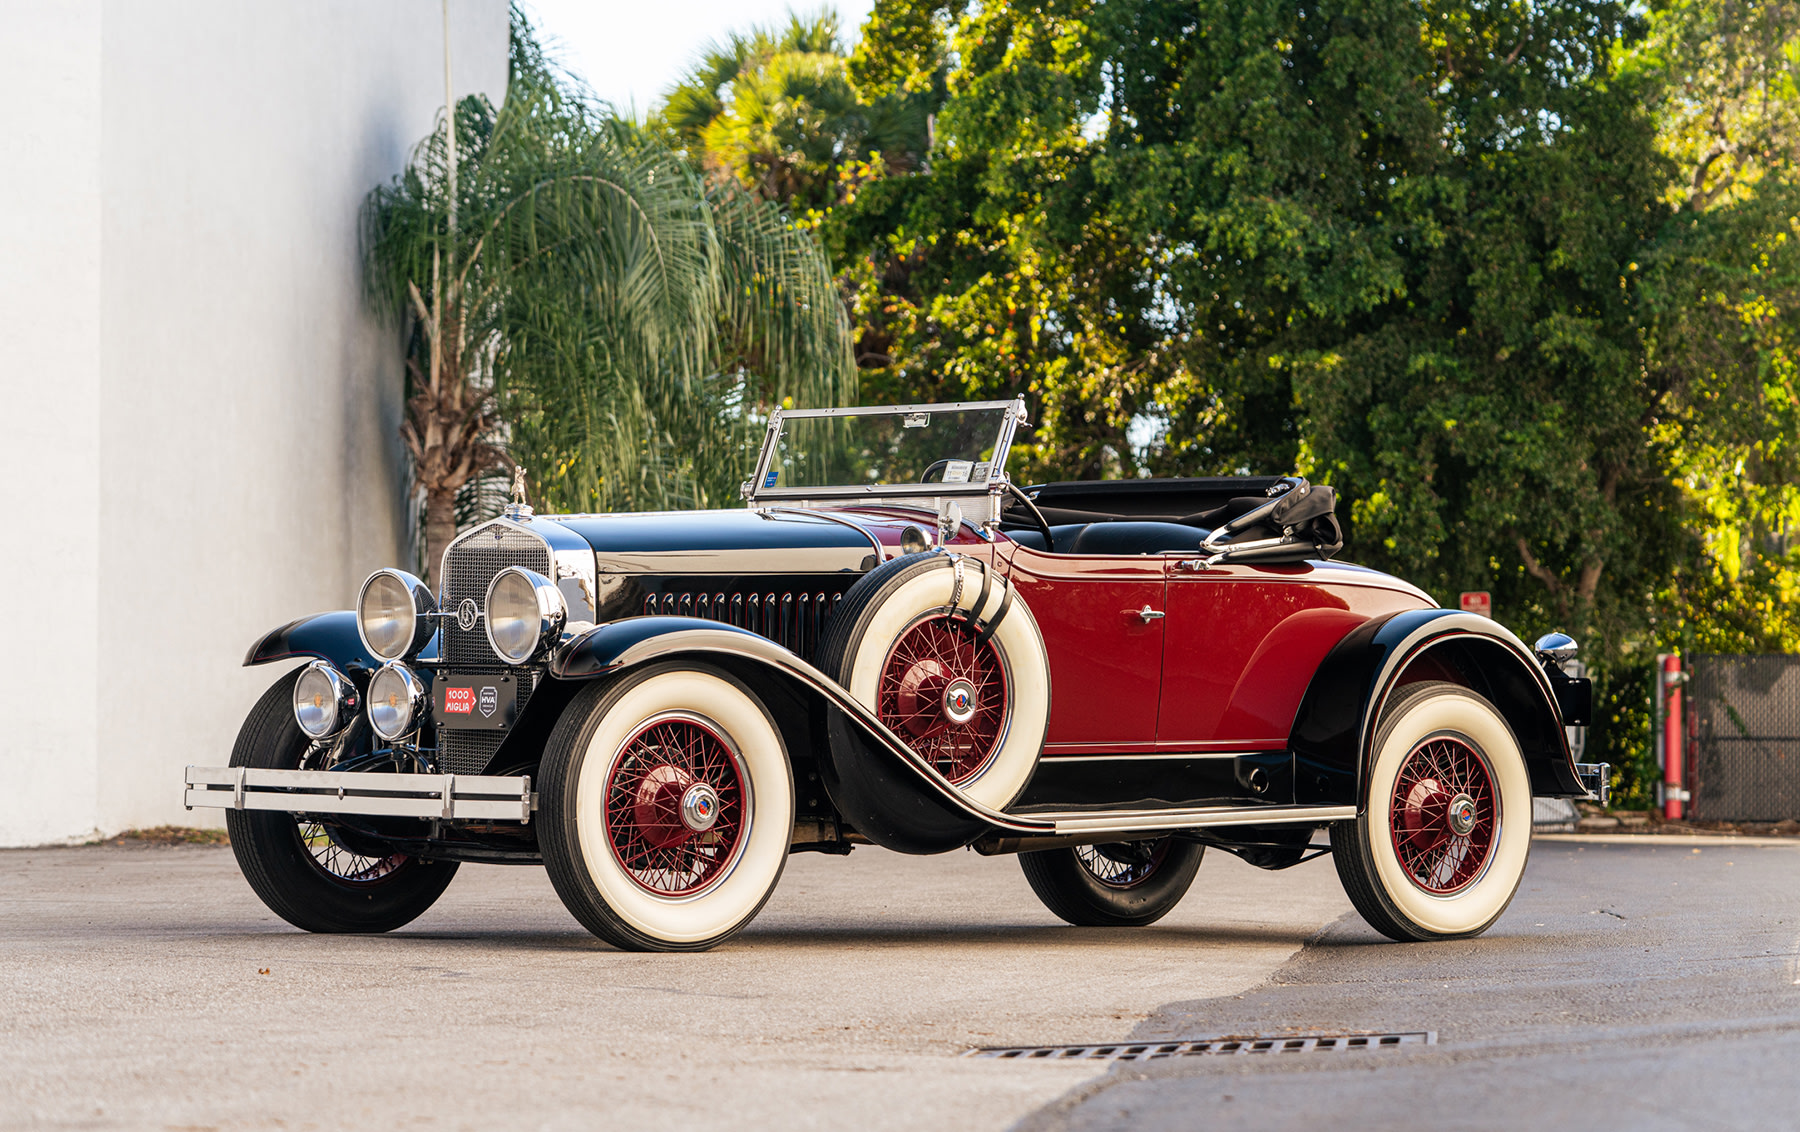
(1478, 601)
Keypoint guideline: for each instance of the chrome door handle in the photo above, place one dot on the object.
(1146, 614)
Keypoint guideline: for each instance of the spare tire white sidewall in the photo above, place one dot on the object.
(1021, 648)
(1477, 906)
(769, 814)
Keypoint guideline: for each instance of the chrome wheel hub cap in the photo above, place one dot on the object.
(959, 701)
(699, 807)
(1462, 815)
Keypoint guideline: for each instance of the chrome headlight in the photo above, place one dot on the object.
(397, 701)
(324, 700)
(393, 614)
(525, 611)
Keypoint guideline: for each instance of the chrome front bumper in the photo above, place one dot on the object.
(446, 796)
(1597, 778)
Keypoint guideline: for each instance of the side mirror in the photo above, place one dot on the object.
(1557, 646)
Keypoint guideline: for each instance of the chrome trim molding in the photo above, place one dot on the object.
(443, 796)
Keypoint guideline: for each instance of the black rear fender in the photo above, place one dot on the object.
(1335, 726)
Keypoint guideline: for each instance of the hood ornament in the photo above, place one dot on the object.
(518, 510)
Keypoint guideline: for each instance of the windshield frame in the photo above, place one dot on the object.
(996, 480)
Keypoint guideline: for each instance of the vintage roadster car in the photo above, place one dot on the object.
(893, 644)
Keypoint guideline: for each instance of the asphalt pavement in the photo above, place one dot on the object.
(146, 988)
(1635, 983)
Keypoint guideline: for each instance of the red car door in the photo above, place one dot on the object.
(1244, 641)
(1103, 630)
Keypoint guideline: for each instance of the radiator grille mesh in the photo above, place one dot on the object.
(472, 564)
(467, 752)
(470, 567)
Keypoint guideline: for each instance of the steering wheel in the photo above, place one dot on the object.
(937, 467)
(1037, 516)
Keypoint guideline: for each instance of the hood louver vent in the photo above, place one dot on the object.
(792, 620)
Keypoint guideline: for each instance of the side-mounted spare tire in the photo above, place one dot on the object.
(948, 656)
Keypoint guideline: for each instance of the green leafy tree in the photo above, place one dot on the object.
(582, 304)
(774, 111)
(1506, 274)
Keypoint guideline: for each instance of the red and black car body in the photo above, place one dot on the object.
(1152, 687)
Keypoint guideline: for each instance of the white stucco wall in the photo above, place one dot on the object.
(199, 413)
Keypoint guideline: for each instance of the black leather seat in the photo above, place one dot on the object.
(1030, 536)
(1113, 538)
(1133, 538)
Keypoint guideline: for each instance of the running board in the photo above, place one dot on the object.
(1092, 827)
(445, 796)
(1084, 822)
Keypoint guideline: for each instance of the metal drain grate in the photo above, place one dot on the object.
(1147, 1051)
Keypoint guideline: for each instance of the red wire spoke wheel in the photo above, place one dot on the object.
(1123, 884)
(1439, 845)
(668, 807)
(1443, 814)
(1123, 865)
(342, 865)
(947, 693)
(675, 806)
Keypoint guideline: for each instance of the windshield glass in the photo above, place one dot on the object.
(888, 448)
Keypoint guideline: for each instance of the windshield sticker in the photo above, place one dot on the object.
(957, 471)
(769, 480)
(916, 420)
(980, 475)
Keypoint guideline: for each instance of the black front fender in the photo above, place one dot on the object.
(940, 817)
(1336, 722)
(324, 636)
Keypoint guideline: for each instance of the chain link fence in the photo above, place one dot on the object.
(1743, 741)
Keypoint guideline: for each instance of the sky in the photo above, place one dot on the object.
(630, 51)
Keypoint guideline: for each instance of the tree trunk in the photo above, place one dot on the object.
(440, 528)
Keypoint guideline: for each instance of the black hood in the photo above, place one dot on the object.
(739, 541)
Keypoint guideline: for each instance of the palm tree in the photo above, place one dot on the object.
(583, 305)
(775, 111)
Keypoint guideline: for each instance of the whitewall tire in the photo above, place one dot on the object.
(1441, 844)
(975, 706)
(668, 808)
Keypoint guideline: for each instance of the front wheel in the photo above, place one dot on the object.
(1440, 846)
(1122, 885)
(303, 869)
(668, 808)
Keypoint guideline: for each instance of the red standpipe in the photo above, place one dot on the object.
(1674, 749)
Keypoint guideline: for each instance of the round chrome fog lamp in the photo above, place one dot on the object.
(324, 700)
(393, 614)
(525, 611)
(397, 701)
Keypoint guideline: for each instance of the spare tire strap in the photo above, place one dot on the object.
(987, 630)
(973, 620)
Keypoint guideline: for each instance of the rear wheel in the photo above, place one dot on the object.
(1441, 844)
(306, 870)
(1123, 884)
(668, 808)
